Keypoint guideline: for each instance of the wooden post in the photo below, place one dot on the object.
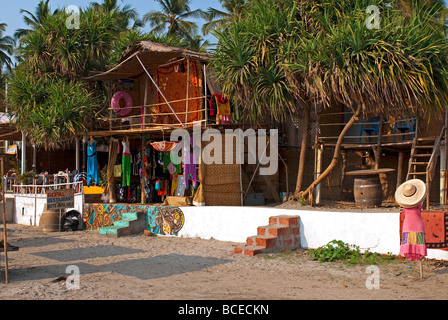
(344, 166)
(205, 94)
(5, 242)
(188, 87)
(145, 102)
(421, 268)
(109, 96)
(377, 150)
(142, 181)
(400, 168)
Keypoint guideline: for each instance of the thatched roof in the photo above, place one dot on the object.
(152, 55)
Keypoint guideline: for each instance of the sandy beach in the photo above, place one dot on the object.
(139, 267)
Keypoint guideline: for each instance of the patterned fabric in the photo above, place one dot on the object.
(436, 228)
(164, 145)
(164, 220)
(417, 238)
(413, 244)
(172, 81)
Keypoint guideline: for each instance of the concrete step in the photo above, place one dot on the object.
(130, 223)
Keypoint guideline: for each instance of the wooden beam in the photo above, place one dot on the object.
(400, 168)
(5, 242)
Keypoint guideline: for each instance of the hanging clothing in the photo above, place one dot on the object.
(212, 106)
(222, 105)
(189, 166)
(413, 243)
(126, 164)
(163, 188)
(174, 180)
(92, 164)
(168, 164)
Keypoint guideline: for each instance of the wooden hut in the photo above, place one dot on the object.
(406, 147)
(161, 88)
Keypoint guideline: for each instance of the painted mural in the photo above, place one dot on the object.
(165, 220)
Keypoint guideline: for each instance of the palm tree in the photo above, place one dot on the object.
(126, 14)
(6, 49)
(172, 17)
(33, 20)
(198, 44)
(218, 18)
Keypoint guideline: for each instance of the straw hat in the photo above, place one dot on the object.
(410, 193)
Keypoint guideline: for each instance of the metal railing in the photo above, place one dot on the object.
(38, 180)
(41, 190)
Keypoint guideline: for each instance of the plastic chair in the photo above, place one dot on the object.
(405, 124)
(371, 127)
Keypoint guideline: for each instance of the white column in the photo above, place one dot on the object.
(77, 153)
(23, 152)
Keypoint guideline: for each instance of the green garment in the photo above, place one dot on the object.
(126, 170)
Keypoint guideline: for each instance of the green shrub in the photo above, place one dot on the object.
(337, 250)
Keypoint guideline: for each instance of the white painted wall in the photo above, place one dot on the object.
(28, 209)
(377, 231)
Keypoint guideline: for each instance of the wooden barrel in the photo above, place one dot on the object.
(49, 220)
(368, 192)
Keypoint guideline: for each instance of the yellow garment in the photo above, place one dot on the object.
(223, 108)
(174, 180)
(117, 170)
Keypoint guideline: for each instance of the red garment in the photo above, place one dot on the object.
(413, 243)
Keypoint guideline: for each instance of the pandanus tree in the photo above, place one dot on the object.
(217, 19)
(36, 19)
(49, 99)
(285, 57)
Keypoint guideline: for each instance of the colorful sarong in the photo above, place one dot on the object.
(413, 244)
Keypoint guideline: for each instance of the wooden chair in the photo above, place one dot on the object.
(405, 125)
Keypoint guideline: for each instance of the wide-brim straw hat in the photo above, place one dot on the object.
(410, 193)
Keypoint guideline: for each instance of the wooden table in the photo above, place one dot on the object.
(367, 190)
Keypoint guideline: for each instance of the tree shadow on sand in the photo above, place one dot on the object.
(142, 268)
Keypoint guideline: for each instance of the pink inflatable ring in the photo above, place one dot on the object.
(115, 103)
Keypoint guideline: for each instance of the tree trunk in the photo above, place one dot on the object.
(336, 155)
(303, 149)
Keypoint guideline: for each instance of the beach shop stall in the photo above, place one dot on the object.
(154, 90)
